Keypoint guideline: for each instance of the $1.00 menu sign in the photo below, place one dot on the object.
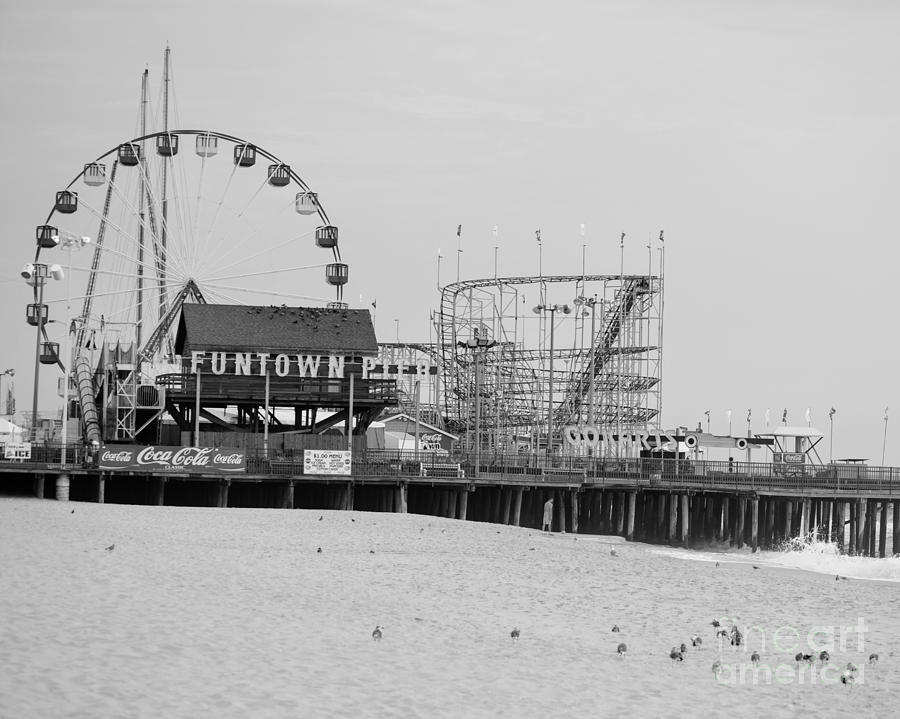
(199, 460)
(326, 461)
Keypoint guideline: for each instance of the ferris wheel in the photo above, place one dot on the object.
(172, 217)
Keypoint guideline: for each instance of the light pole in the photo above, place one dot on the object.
(478, 347)
(831, 435)
(552, 309)
(70, 242)
(884, 441)
(592, 303)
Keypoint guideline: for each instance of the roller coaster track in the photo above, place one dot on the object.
(578, 391)
(521, 370)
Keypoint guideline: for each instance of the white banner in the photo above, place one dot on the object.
(17, 450)
(326, 461)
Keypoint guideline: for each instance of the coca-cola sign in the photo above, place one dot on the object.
(195, 460)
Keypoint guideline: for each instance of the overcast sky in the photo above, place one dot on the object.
(761, 136)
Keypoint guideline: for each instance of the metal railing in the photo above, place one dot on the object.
(534, 468)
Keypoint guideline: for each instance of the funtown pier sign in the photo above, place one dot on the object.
(302, 365)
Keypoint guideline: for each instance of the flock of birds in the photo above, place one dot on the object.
(734, 636)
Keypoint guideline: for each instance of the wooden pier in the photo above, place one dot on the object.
(755, 506)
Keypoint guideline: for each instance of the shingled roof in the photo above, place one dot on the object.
(310, 330)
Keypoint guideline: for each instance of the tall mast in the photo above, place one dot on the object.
(142, 194)
(165, 165)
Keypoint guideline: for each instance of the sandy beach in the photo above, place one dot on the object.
(234, 613)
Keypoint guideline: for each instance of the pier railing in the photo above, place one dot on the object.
(494, 468)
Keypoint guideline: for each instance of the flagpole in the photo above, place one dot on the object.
(884, 441)
(458, 249)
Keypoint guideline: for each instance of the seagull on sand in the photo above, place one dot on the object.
(110, 547)
(615, 627)
(613, 553)
(675, 655)
(715, 623)
(851, 667)
(319, 550)
(696, 640)
(621, 649)
(514, 633)
(873, 659)
(754, 657)
(376, 634)
(683, 649)
(717, 667)
(824, 656)
(847, 678)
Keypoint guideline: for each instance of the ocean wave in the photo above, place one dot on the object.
(810, 554)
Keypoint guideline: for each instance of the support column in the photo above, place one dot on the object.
(559, 508)
(739, 527)
(861, 543)
(672, 501)
(629, 525)
(804, 519)
(517, 507)
(401, 496)
(573, 497)
(287, 497)
(718, 522)
(871, 529)
(62, 487)
(685, 519)
(223, 493)
(769, 538)
(101, 488)
(853, 511)
(728, 503)
(619, 513)
(659, 530)
(895, 546)
(507, 504)
(754, 524)
(882, 544)
(38, 486)
(158, 490)
(836, 534)
(463, 503)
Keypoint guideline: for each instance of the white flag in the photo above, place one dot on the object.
(807, 416)
(767, 417)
